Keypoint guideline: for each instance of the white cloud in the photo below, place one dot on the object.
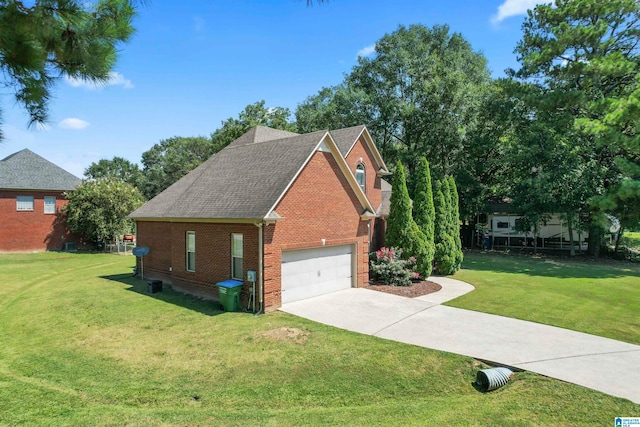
(368, 50)
(73, 123)
(514, 8)
(115, 79)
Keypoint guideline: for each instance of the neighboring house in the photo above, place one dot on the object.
(299, 210)
(31, 196)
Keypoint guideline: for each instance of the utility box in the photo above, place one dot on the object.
(229, 294)
(154, 286)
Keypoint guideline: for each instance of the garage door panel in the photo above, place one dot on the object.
(312, 272)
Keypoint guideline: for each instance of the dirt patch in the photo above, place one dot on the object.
(287, 334)
(415, 290)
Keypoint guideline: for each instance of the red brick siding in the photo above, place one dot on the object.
(319, 205)
(32, 230)
(373, 190)
(372, 187)
(167, 249)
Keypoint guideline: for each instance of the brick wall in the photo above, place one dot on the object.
(319, 205)
(167, 254)
(359, 151)
(373, 190)
(32, 230)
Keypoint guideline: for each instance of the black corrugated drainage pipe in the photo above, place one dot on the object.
(491, 379)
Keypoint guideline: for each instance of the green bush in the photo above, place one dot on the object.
(446, 256)
(399, 222)
(420, 249)
(424, 216)
(387, 266)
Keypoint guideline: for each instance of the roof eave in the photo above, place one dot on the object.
(198, 220)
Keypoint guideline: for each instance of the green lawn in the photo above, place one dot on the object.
(632, 239)
(601, 298)
(84, 344)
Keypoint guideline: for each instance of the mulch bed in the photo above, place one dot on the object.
(415, 290)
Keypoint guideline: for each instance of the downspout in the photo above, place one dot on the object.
(260, 267)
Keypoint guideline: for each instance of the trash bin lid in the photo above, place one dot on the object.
(230, 283)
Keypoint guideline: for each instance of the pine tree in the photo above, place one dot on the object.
(424, 212)
(455, 217)
(445, 247)
(41, 41)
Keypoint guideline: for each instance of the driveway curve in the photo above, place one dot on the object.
(595, 362)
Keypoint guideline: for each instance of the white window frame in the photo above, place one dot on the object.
(361, 173)
(235, 254)
(49, 208)
(190, 250)
(24, 203)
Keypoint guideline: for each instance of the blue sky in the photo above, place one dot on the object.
(194, 63)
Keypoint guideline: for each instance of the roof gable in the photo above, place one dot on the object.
(26, 170)
(347, 138)
(327, 144)
(245, 180)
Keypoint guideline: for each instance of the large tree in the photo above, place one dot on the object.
(418, 94)
(171, 159)
(424, 86)
(99, 209)
(41, 41)
(585, 55)
(118, 167)
(256, 114)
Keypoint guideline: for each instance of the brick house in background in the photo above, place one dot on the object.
(300, 210)
(31, 196)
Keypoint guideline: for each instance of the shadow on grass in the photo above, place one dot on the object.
(548, 265)
(168, 295)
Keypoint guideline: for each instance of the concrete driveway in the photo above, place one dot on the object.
(598, 363)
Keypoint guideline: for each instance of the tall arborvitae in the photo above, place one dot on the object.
(399, 222)
(445, 248)
(402, 231)
(455, 216)
(424, 212)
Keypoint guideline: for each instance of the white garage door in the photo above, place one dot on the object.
(311, 272)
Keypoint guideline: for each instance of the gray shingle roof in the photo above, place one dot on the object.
(25, 170)
(261, 134)
(243, 181)
(345, 138)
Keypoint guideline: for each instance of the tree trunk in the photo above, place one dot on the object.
(595, 240)
(618, 239)
(572, 250)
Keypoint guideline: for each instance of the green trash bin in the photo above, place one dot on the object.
(229, 294)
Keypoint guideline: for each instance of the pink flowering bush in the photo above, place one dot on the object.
(387, 266)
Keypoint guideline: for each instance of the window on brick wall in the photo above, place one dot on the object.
(24, 203)
(191, 251)
(361, 176)
(49, 204)
(236, 257)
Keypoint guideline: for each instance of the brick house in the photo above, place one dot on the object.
(31, 196)
(300, 210)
